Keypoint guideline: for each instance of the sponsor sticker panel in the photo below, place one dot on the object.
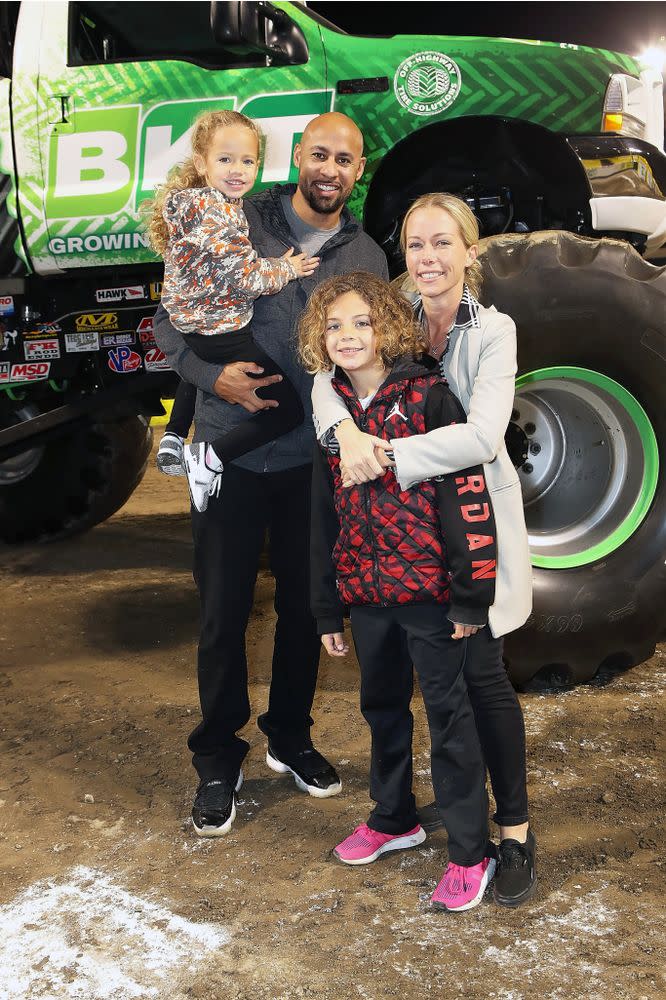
(27, 371)
(100, 321)
(123, 360)
(145, 330)
(117, 339)
(127, 294)
(6, 305)
(41, 350)
(42, 330)
(156, 361)
(83, 340)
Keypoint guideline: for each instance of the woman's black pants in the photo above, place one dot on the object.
(500, 725)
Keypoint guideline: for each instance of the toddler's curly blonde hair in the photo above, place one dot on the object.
(186, 175)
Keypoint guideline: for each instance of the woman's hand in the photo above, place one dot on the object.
(362, 456)
(334, 644)
(463, 631)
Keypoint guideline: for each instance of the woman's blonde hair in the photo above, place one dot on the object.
(186, 174)
(392, 318)
(464, 218)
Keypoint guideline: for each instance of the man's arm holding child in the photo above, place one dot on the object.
(231, 382)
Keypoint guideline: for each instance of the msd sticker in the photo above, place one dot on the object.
(41, 350)
(155, 361)
(6, 305)
(123, 360)
(31, 371)
(4, 371)
(127, 294)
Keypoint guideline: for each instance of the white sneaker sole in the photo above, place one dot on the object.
(317, 793)
(400, 844)
(171, 469)
(219, 831)
(490, 871)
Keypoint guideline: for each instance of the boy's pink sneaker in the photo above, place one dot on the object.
(463, 888)
(365, 845)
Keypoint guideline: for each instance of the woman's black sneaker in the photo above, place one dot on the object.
(515, 879)
(311, 771)
(214, 808)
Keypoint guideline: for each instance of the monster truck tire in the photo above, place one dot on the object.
(591, 406)
(79, 481)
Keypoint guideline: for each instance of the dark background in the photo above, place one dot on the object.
(624, 27)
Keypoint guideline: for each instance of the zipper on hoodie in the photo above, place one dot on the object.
(368, 510)
(268, 454)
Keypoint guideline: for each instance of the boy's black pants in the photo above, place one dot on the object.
(388, 640)
(228, 540)
(261, 427)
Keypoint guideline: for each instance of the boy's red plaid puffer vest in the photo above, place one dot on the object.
(389, 550)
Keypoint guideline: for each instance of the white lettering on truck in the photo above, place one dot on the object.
(91, 152)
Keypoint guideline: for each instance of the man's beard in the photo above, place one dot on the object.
(318, 203)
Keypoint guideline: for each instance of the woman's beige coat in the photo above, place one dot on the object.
(480, 366)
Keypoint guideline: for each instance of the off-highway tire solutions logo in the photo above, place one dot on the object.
(427, 83)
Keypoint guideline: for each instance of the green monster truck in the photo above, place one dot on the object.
(557, 148)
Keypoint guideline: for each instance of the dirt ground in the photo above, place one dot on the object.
(107, 892)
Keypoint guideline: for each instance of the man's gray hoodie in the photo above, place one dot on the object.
(274, 326)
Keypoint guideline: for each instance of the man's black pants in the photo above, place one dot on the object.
(388, 641)
(228, 540)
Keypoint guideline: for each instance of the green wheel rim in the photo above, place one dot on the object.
(626, 453)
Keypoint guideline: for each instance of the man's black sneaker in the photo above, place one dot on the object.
(312, 772)
(515, 880)
(214, 808)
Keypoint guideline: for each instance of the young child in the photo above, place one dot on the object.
(414, 567)
(212, 275)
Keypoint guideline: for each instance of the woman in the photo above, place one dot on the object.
(476, 347)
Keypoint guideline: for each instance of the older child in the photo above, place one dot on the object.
(212, 275)
(416, 568)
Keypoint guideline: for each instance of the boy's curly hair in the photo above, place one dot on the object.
(392, 318)
(186, 174)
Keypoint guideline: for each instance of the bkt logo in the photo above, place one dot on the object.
(116, 156)
(97, 321)
(123, 360)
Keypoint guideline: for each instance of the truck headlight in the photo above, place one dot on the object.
(635, 106)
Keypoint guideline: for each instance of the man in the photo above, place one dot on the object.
(268, 489)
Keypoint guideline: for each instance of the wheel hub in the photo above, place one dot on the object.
(18, 467)
(591, 466)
